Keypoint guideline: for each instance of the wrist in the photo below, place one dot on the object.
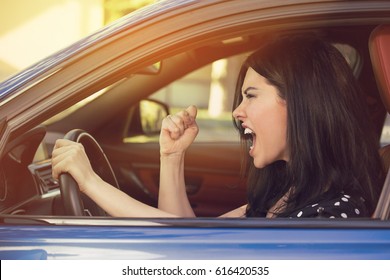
(90, 184)
(174, 155)
(175, 160)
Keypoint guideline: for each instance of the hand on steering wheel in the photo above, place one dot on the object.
(75, 202)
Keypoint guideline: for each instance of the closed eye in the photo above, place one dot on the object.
(247, 94)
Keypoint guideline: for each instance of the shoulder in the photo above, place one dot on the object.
(342, 206)
(236, 213)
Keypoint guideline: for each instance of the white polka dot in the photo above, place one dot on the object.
(299, 214)
(347, 196)
(357, 211)
(314, 205)
(332, 217)
(337, 203)
(344, 215)
(344, 199)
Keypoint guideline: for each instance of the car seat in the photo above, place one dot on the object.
(379, 47)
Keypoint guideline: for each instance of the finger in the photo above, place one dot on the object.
(64, 157)
(189, 116)
(59, 164)
(58, 168)
(191, 123)
(61, 160)
(192, 111)
(173, 135)
(177, 123)
(185, 118)
(170, 127)
(63, 143)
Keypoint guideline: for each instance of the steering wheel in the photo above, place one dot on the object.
(76, 203)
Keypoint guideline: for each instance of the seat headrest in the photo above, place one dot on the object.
(379, 46)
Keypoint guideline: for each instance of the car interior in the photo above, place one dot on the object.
(215, 182)
(379, 45)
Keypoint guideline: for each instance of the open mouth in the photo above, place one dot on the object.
(249, 136)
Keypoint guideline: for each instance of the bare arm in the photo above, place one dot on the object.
(69, 157)
(118, 204)
(172, 196)
(236, 213)
(177, 134)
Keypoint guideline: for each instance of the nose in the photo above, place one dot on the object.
(239, 112)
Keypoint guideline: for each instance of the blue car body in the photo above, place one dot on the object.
(201, 239)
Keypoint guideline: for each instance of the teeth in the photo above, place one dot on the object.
(251, 134)
(248, 131)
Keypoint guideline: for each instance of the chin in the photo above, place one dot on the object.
(260, 164)
(263, 163)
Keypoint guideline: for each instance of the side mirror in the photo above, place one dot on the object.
(146, 118)
(152, 113)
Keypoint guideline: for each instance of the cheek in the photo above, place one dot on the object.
(273, 119)
(273, 134)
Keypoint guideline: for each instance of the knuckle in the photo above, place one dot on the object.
(79, 147)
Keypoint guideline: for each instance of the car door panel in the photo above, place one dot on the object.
(212, 174)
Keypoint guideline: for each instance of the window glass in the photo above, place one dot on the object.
(211, 89)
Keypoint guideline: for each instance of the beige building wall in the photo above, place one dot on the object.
(31, 30)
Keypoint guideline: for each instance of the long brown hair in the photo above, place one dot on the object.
(332, 147)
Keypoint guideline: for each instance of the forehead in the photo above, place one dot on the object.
(254, 79)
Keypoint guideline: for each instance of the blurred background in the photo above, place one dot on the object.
(33, 30)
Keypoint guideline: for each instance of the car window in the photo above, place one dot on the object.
(211, 89)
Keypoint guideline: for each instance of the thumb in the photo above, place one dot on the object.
(192, 111)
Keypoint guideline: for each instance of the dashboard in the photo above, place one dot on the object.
(26, 184)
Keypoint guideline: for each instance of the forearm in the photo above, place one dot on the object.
(172, 193)
(118, 204)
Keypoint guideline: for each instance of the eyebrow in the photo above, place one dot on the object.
(248, 89)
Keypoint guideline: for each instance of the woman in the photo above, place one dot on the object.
(297, 105)
(329, 165)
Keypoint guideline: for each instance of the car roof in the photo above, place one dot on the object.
(151, 14)
(133, 19)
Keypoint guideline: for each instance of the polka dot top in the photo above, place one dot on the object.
(343, 206)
